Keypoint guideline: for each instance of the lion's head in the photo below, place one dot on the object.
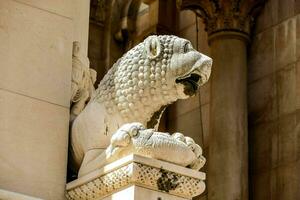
(153, 74)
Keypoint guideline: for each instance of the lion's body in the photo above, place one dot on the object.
(135, 88)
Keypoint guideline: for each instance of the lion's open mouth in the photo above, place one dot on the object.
(191, 83)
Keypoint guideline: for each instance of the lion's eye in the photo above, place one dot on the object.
(186, 47)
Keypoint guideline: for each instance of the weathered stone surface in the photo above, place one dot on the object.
(7, 195)
(261, 59)
(57, 7)
(35, 53)
(288, 139)
(138, 171)
(33, 146)
(262, 100)
(286, 90)
(285, 43)
(262, 147)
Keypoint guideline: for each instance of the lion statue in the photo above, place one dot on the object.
(123, 114)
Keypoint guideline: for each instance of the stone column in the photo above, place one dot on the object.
(228, 25)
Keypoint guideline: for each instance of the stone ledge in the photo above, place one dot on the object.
(140, 171)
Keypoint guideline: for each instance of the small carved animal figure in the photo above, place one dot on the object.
(137, 88)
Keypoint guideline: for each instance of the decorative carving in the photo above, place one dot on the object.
(83, 79)
(153, 74)
(133, 138)
(138, 172)
(234, 15)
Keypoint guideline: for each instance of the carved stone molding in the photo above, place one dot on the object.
(139, 171)
(231, 15)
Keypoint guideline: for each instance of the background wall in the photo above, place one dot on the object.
(35, 80)
(274, 103)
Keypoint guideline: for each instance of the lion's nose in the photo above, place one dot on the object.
(203, 67)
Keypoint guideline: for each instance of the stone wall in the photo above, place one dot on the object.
(35, 80)
(274, 103)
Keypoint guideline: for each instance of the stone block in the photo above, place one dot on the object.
(186, 18)
(260, 187)
(34, 139)
(260, 138)
(298, 37)
(35, 52)
(285, 43)
(7, 195)
(287, 90)
(288, 181)
(181, 107)
(205, 110)
(137, 193)
(189, 33)
(285, 9)
(288, 139)
(59, 7)
(298, 85)
(266, 18)
(261, 56)
(165, 181)
(262, 100)
(205, 93)
(189, 124)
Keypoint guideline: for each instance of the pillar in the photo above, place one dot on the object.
(228, 147)
(228, 24)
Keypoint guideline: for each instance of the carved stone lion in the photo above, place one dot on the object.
(137, 88)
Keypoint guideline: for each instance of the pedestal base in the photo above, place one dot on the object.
(137, 177)
(139, 193)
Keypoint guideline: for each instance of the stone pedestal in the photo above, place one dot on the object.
(137, 177)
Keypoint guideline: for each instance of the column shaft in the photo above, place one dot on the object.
(228, 154)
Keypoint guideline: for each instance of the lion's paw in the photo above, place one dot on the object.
(199, 162)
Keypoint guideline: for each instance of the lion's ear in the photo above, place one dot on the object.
(153, 47)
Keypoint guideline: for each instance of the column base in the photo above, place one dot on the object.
(135, 177)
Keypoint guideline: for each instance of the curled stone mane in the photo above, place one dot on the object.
(138, 82)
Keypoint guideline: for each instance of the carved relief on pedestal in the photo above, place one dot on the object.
(83, 79)
(235, 15)
(136, 90)
(138, 171)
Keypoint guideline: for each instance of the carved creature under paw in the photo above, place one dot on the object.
(138, 87)
(134, 138)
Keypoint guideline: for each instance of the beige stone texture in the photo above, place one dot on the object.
(288, 139)
(137, 193)
(57, 7)
(7, 195)
(188, 123)
(285, 43)
(261, 60)
(186, 18)
(262, 100)
(262, 148)
(161, 178)
(33, 146)
(228, 139)
(286, 90)
(274, 101)
(298, 36)
(35, 53)
(288, 181)
(81, 16)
